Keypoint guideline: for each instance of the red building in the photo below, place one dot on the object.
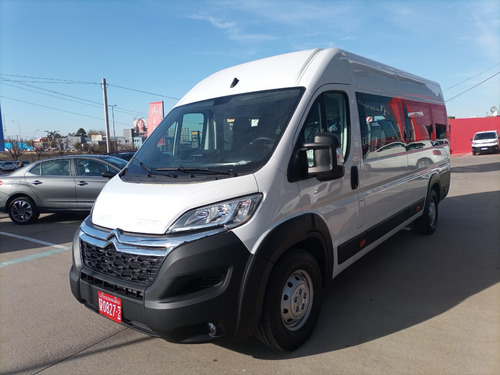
(463, 129)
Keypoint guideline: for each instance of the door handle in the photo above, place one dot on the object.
(82, 183)
(354, 178)
(36, 182)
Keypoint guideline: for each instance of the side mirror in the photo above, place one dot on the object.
(325, 157)
(108, 174)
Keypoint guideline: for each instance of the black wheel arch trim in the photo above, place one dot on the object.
(307, 231)
(441, 183)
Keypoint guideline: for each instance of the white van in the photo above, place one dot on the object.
(486, 141)
(263, 183)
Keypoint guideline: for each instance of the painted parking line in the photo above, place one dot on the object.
(55, 249)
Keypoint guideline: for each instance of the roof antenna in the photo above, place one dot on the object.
(235, 82)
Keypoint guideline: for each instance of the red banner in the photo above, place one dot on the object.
(155, 116)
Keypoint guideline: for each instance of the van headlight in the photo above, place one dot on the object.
(228, 214)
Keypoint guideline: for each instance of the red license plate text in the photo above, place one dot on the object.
(110, 306)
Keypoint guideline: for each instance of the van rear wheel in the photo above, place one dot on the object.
(292, 302)
(427, 223)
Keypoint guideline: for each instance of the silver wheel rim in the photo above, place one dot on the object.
(21, 211)
(432, 212)
(296, 300)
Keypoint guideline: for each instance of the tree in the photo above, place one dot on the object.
(38, 148)
(51, 137)
(81, 133)
(96, 132)
(62, 144)
(17, 148)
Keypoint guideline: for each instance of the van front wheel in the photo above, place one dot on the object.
(292, 301)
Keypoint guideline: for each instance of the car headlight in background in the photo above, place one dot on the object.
(228, 214)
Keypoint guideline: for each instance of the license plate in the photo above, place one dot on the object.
(484, 148)
(110, 306)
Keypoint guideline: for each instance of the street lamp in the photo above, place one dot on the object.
(19, 125)
(113, 117)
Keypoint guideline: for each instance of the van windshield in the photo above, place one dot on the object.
(488, 135)
(216, 138)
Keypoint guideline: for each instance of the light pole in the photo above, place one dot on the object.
(19, 125)
(33, 138)
(113, 117)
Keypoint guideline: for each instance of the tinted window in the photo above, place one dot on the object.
(91, 167)
(490, 135)
(55, 168)
(380, 128)
(329, 113)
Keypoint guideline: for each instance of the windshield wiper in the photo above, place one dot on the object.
(228, 172)
(153, 171)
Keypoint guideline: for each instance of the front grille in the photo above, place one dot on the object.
(113, 288)
(136, 268)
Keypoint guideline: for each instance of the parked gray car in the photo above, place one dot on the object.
(65, 184)
(8, 166)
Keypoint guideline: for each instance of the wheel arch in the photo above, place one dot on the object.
(14, 196)
(436, 185)
(308, 232)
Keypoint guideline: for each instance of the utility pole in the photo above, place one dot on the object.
(106, 117)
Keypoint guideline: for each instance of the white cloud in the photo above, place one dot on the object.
(293, 19)
(486, 27)
(233, 30)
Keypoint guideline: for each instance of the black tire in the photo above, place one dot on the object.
(292, 302)
(22, 210)
(427, 223)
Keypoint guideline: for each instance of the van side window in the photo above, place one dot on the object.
(329, 113)
(380, 130)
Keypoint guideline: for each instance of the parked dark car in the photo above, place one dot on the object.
(65, 184)
(125, 155)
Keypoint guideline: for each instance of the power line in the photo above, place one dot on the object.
(144, 92)
(78, 100)
(49, 80)
(63, 96)
(60, 110)
(474, 76)
(463, 92)
(57, 80)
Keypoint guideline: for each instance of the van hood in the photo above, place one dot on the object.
(153, 208)
(484, 142)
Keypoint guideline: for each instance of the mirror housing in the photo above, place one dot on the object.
(108, 174)
(327, 157)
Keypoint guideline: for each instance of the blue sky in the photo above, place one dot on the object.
(54, 54)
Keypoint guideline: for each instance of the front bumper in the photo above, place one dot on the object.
(197, 285)
(480, 149)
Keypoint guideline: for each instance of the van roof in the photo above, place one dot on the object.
(311, 69)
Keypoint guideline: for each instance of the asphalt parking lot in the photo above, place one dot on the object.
(416, 305)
